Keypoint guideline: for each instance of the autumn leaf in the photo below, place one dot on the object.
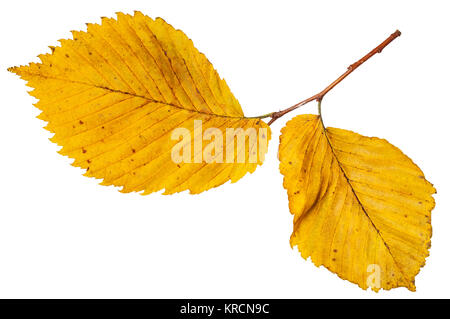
(113, 96)
(359, 203)
(134, 103)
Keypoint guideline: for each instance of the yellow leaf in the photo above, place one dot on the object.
(361, 207)
(114, 94)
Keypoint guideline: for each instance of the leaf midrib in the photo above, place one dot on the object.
(324, 130)
(132, 94)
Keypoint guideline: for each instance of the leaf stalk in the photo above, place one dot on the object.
(319, 96)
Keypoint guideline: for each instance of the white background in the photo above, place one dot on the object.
(62, 235)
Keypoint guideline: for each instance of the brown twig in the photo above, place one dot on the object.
(319, 96)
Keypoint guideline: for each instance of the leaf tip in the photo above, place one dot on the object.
(18, 70)
(411, 286)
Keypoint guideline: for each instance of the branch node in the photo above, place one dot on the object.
(319, 96)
